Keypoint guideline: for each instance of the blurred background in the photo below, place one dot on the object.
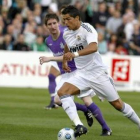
(22, 35)
(117, 22)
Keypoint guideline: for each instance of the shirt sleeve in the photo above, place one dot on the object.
(91, 35)
(64, 36)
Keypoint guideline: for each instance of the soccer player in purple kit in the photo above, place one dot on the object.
(54, 70)
(56, 44)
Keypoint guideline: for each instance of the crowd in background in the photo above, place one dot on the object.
(116, 21)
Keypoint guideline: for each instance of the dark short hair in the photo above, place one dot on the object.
(72, 11)
(62, 8)
(50, 16)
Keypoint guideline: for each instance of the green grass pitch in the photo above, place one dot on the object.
(23, 117)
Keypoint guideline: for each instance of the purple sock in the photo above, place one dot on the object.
(52, 85)
(81, 107)
(98, 115)
(52, 98)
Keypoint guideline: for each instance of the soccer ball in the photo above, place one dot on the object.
(66, 134)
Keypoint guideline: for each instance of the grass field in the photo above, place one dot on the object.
(22, 117)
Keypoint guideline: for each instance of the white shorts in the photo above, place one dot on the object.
(103, 85)
(54, 64)
(65, 78)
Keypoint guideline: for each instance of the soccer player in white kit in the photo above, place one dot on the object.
(82, 46)
(56, 40)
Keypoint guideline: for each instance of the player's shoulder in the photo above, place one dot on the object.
(65, 32)
(88, 27)
(62, 27)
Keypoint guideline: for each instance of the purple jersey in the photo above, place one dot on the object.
(57, 48)
(62, 28)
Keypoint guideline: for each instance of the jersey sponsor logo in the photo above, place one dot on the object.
(78, 47)
(86, 27)
(121, 70)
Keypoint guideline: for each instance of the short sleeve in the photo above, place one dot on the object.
(64, 36)
(91, 35)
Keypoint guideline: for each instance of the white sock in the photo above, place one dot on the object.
(130, 114)
(70, 108)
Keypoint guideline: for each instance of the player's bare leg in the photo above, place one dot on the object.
(127, 111)
(90, 109)
(68, 105)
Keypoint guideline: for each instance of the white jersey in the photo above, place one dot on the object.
(80, 39)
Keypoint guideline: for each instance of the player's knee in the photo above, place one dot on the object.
(57, 100)
(118, 104)
(51, 77)
(67, 89)
(87, 103)
(118, 107)
(64, 91)
(60, 92)
(87, 100)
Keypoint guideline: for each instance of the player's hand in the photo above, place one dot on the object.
(65, 67)
(44, 59)
(69, 56)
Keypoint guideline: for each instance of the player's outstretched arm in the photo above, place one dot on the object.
(44, 59)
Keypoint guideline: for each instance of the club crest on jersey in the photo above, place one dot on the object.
(78, 37)
(61, 45)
